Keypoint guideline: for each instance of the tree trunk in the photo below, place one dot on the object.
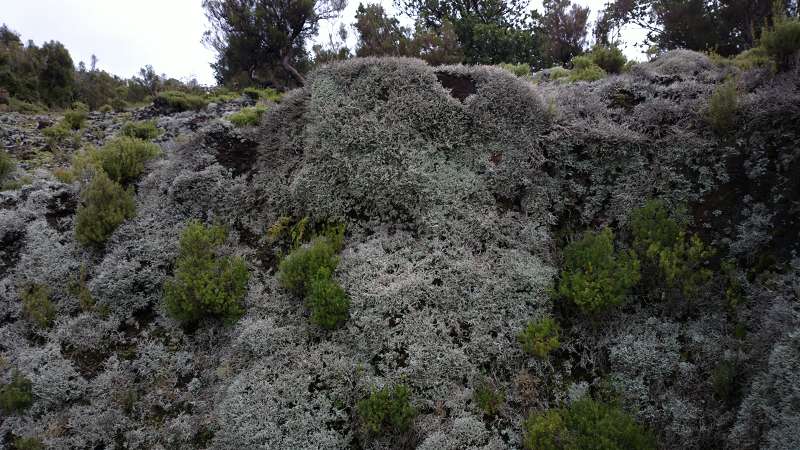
(289, 68)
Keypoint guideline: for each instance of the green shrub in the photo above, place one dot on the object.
(105, 109)
(263, 94)
(248, 116)
(489, 398)
(540, 337)
(558, 72)
(37, 306)
(75, 119)
(179, 101)
(119, 104)
(17, 395)
(724, 381)
(295, 272)
(595, 277)
(519, 70)
(610, 59)
(386, 411)
(327, 300)
(722, 107)
(25, 107)
(782, 42)
(79, 289)
(205, 284)
(145, 130)
(6, 165)
(123, 158)
(296, 233)
(754, 58)
(57, 135)
(586, 424)
(584, 69)
(104, 206)
(28, 443)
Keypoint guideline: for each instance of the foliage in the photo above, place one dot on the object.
(75, 118)
(722, 107)
(595, 277)
(782, 42)
(263, 94)
(540, 338)
(327, 300)
(37, 306)
(519, 70)
(724, 381)
(28, 443)
(16, 395)
(7, 165)
(248, 116)
(754, 58)
(386, 410)
(586, 424)
(296, 271)
(380, 35)
(104, 206)
(105, 109)
(123, 158)
(145, 130)
(488, 398)
(205, 284)
(56, 135)
(79, 289)
(584, 69)
(562, 30)
(608, 58)
(179, 101)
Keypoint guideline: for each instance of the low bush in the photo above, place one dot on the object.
(296, 271)
(722, 107)
(105, 109)
(145, 130)
(263, 94)
(519, 70)
(37, 306)
(386, 411)
(248, 116)
(28, 443)
(489, 398)
(558, 73)
(119, 104)
(755, 58)
(327, 300)
(724, 381)
(24, 107)
(7, 165)
(782, 42)
(123, 158)
(540, 338)
(584, 69)
(595, 276)
(179, 101)
(586, 424)
(56, 135)
(16, 395)
(610, 59)
(104, 205)
(75, 119)
(205, 283)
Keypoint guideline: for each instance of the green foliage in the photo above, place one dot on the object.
(37, 306)
(263, 94)
(540, 337)
(145, 130)
(489, 398)
(662, 242)
(119, 104)
(248, 116)
(754, 58)
(610, 59)
(17, 395)
(595, 277)
(205, 284)
(386, 411)
(75, 119)
(558, 72)
(586, 425)
(104, 206)
(296, 271)
(123, 158)
(519, 70)
(57, 135)
(105, 109)
(584, 69)
(29, 443)
(782, 42)
(179, 101)
(724, 381)
(79, 289)
(722, 107)
(7, 165)
(327, 300)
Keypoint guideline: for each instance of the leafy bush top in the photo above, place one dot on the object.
(37, 306)
(123, 158)
(610, 59)
(722, 107)
(16, 395)
(297, 270)
(585, 69)
(104, 206)
(179, 101)
(387, 410)
(205, 284)
(248, 116)
(144, 130)
(782, 42)
(540, 338)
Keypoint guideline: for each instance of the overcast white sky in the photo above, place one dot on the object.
(128, 34)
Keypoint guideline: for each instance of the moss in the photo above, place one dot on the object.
(17, 395)
(37, 306)
(248, 116)
(540, 338)
(145, 130)
(386, 411)
(104, 206)
(205, 284)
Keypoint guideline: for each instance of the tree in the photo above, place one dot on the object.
(253, 38)
(380, 35)
(57, 78)
(562, 31)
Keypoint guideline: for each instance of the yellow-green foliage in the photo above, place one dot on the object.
(586, 424)
(205, 283)
(296, 271)
(664, 244)
(248, 116)
(75, 118)
(37, 306)
(57, 134)
(104, 206)
(782, 42)
(180, 101)
(16, 395)
(722, 107)
(489, 398)
(595, 276)
(610, 59)
(123, 158)
(386, 411)
(145, 130)
(519, 70)
(558, 72)
(105, 109)
(584, 69)
(6, 165)
(327, 300)
(29, 443)
(540, 338)
(295, 233)
(263, 94)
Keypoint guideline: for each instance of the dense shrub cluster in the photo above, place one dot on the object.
(540, 337)
(123, 158)
(782, 42)
(104, 206)
(176, 101)
(595, 276)
(205, 283)
(263, 94)
(145, 130)
(610, 59)
(37, 306)
(488, 398)
(248, 116)
(585, 69)
(586, 424)
(386, 411)
(722, 107)
(16, 395)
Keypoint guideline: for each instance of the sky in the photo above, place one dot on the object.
(126, 35)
